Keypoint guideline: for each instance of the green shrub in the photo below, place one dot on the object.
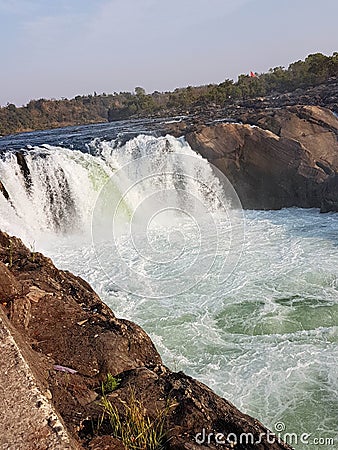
(110, 384)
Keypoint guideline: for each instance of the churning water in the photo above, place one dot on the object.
(245, 302)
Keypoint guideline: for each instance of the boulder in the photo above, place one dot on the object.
(330, 195)
(276, 158)
(267, 171)
(314, 127)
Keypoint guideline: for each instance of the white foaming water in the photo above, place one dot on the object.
(65, 184)
(265, 338)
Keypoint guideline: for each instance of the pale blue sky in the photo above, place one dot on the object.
(55, 48)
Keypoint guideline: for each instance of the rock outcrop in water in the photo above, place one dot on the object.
(22, 163)
(314, 127)
(275, 158)
(3, 190)
(69, 341)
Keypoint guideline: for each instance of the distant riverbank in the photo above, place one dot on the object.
(309, 82)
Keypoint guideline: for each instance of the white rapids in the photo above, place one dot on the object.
(264, 335)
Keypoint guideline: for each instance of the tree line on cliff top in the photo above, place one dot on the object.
(42, 114)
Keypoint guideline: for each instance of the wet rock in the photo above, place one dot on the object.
(22, 163)
(330, 195)
(3, 190)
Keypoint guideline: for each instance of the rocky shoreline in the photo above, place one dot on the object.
(275, 158)
(324, 95)
(67, 340)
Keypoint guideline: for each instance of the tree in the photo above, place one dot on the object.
(140, 91)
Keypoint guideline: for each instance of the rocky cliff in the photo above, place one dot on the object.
(274, 158)
(69, 341)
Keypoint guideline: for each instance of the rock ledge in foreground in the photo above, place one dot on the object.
(58, 320)
(28, 419)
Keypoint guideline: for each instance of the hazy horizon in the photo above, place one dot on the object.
(78, 47)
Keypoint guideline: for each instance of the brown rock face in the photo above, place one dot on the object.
(63, 319)
(284, 160)
(194, 411)
(314, 127)
(330, 195)
(71, 342)
(267, 171)
(28, 421)
(9, 287)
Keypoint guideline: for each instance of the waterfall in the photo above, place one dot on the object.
(49, 190)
